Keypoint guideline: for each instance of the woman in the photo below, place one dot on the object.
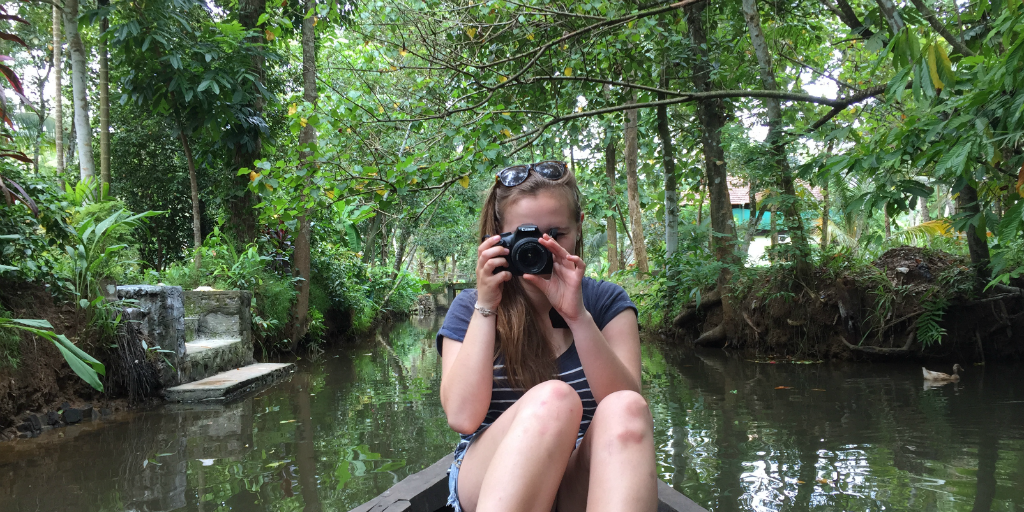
(581, 436)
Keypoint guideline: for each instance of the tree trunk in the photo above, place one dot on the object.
(824, 217)
(613, 240)
(776, 140)
(104, 101)
(922, 206)
(712, 119)
(240, 207)
(633, 190)
(197, 234)
(370, 240)
(79, 84)
(58, 117)
(977, 243)
(41, 117)
(668, 157)
(307, 137)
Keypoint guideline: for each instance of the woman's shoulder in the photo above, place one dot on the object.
(605, 300)
(602, 289)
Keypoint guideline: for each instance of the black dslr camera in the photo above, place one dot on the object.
(526, 255)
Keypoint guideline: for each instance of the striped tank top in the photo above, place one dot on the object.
(570, 371)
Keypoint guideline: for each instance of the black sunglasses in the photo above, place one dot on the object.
(550, 169)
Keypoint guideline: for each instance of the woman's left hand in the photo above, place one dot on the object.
(564, 289)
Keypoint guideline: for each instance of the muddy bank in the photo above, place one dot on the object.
(910, 303)
(36, 383)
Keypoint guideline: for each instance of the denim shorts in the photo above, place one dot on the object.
(453, 471)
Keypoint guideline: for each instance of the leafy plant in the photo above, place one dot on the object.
(92, 249)
(928, 329)
(84, 365)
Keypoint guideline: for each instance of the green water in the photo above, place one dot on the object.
(358, 418)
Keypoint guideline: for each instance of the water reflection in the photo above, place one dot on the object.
(741, 435)
(344, 428)
(731, 434)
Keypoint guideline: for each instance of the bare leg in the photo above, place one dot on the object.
(518, 462)
(614, 467)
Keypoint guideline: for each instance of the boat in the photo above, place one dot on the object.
(427, 491)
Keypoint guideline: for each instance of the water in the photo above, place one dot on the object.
(358, 418)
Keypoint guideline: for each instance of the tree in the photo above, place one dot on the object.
(58, 115)
(633, 192)
(80, 85)
(307, 139)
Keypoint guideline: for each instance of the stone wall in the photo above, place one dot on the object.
(222, 314)
(161, 317)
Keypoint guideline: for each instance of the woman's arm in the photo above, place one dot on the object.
(467, 371)
(610, 357)
(467, 368)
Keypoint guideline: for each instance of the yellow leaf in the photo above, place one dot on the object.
(381, 191)
(414, 181)
(502, 79)
(270, 35)
(471, 31)
(330, 194)
(292, 109)
(529, 36)
(380, 108)
(933, 70)
(565, 47)
(253, 175)
(394, 68)
(464, 181)
(403, 52)
(567, 72)
(315, 20)
(506, 132)
(303, 121)
(348, 130)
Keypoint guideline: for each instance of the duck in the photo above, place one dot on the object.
(931, 376)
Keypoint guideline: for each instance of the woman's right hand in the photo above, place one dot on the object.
(489, 284)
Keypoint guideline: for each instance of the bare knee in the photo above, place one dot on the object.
(624, 419)
(552, 404)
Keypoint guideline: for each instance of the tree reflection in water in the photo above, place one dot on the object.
(835, 436)
(731, 434)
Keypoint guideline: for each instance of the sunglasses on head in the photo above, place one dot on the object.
(550, 169)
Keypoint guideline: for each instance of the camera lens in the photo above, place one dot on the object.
(530, 256)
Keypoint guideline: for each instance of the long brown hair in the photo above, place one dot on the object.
(519, 340)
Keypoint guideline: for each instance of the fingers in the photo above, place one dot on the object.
(487, 243)
(556, 249)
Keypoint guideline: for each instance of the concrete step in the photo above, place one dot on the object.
(206, 357)
(230, 384)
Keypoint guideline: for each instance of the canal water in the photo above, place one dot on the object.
(732, 434)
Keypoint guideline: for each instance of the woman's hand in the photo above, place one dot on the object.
(489, 284)
(564, 289)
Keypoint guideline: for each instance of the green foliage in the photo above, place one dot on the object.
(84, 365)
(928, 329)
(95, 246)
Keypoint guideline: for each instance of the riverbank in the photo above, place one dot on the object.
(910, 303)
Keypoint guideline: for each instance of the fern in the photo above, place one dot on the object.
(928, 329)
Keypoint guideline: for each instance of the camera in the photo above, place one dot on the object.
(526, 255)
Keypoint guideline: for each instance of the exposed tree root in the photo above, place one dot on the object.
(689, 314)
(883, 351)
(712, 336)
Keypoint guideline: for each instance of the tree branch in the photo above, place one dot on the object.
(929, 15)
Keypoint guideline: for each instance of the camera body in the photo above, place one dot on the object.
(526, 255)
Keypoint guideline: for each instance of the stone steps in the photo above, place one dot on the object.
(206, 357)
(229, 384)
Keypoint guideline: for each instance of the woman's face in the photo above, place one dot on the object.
(546, 210)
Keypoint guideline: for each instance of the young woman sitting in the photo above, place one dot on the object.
(541, 372)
